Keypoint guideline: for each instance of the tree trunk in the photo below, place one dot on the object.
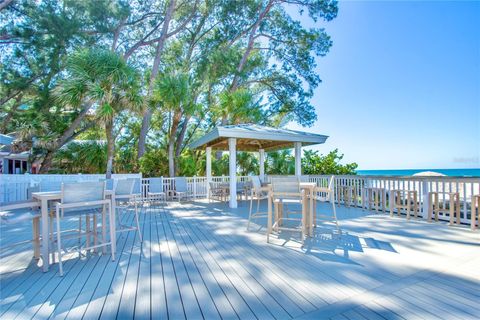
(47, 162)
(4, 4)
(147, 115)
(110, 148)
(181, 137)
(251, 42)
(177, 115)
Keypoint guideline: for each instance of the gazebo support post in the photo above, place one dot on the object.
(232, 148)
(298, 159)
(262, 163)
(208, 152)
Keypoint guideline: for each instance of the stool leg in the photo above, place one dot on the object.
(36, 238)
(458, 208)
(408, 205)
(451, 202)
(95, 240)
(473, 213)
(430, 207)
(104, 229)
(87, 221)
(391, 203)
(415, 205)
(399, 203)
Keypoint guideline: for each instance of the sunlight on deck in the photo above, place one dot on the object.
(198, 261)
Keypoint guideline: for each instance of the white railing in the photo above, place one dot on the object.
(197, 186)
(466, 188)
(16, 187)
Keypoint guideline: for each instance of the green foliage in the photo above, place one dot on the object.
(313, 163)
(154, 163)
(82, 156)
(67, 66)
(280, 162)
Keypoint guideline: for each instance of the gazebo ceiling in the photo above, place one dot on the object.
(252, 137)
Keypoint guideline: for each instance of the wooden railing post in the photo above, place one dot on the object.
(425, 199)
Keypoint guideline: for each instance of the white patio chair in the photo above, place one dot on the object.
(217, 192)
(20, 212)
(258, 194)
(108, 183)
(181, 188)
(155, 191)
(125, 197)
(325, 194)
(287, 191)
(84, 198)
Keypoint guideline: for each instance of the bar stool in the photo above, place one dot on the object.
(453, 206)
(376, 197)
(347, 195)
(475, 205)
(403, 199)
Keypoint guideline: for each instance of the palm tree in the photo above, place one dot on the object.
(104, 79)
(280, 162)
(173, 92)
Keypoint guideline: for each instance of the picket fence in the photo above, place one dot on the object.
(17, 187)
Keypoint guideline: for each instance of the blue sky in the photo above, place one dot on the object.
(401, 84)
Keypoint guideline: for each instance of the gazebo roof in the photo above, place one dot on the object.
(251, 137)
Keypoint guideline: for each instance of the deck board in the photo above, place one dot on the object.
(198, 261)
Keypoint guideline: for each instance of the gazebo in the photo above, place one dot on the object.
(252, 138)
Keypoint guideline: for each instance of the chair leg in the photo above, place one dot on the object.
(59, 245)
(304, 220)
(87, 231)
(36, 238)
(138, 223)
(113, 236)
(104, 229)
(250, 214)
(95, 239)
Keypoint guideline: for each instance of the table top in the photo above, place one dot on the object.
(303, 185)
(54, 195)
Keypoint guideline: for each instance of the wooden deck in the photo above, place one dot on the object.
(197, 261)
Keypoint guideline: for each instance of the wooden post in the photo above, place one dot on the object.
(208, 170)
(232, 148)
(426, 200)
(298, 159)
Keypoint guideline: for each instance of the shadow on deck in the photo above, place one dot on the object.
(198, 261)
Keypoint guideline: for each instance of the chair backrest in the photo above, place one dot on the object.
(137, 185)
(330, 183)
(286, 185)
(256, 184)
(45, 186)
(108, 183)
(155, 185)
(181, 184)
(73, 192)
(124, 187)
(304, 178)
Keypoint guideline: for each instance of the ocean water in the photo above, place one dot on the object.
(409, 172)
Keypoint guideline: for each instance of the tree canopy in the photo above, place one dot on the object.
(148, 77)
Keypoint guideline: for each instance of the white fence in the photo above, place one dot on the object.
(15, 187)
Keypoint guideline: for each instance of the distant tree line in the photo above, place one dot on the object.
(148, 77)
